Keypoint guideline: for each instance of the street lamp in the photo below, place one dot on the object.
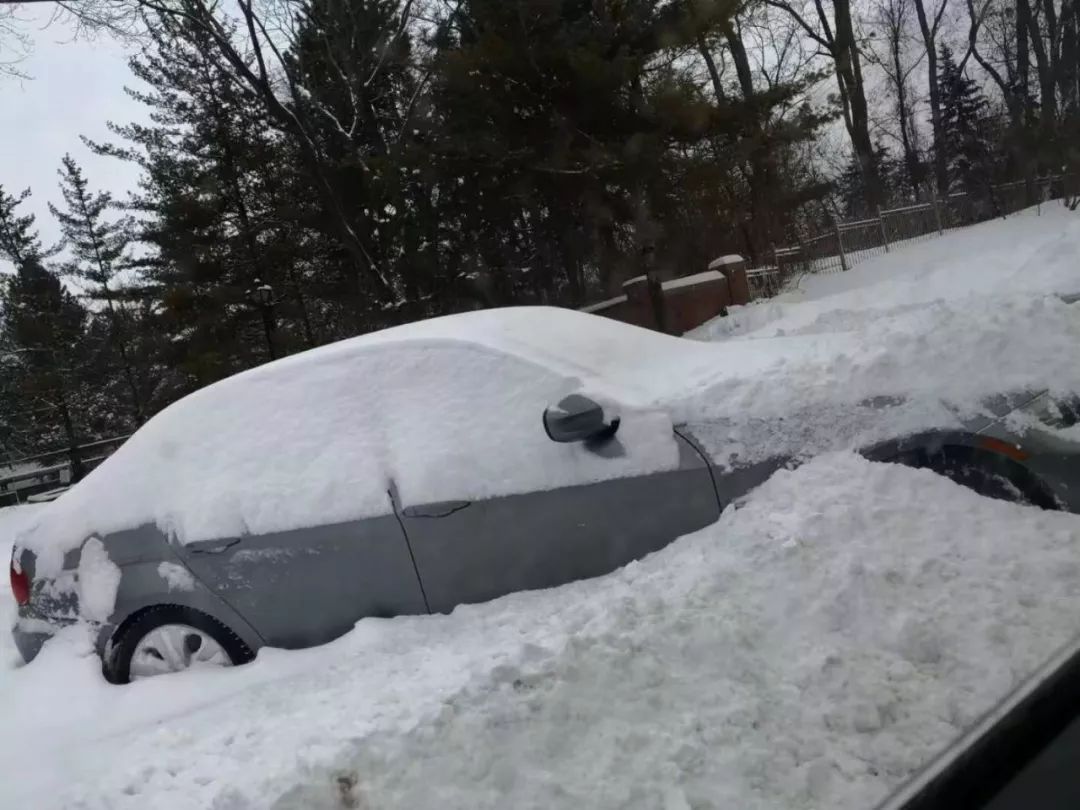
(262, 295)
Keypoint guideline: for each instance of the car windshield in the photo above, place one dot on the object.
(540, 404)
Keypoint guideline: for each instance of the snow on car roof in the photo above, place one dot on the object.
(599, 349)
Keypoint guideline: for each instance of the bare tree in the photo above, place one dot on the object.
(835, 37)
(759, 171)
(15, 45)
(978, 13)
(84, 19)
(778, 49)
(891, 17)
(930, 27)
(1046, 34)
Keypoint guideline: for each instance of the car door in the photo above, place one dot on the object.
(308, 586)
(474, 550)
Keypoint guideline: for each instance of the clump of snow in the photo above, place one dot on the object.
(259, 555)
(812, 649)
(176, 576)
(1072, 433)
(724, 261)
(98, 579)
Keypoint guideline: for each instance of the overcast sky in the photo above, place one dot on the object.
(76, 87)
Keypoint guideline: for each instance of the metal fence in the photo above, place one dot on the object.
(24, 478)
(846, 244)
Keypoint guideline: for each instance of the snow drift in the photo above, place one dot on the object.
(811, 650)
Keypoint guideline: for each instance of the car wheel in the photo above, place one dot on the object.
(171, 638)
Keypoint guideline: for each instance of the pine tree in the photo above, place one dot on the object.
(561, 141)
(98, 252)
(19, 242)
(216, 211)
(968, 152)
(355, 71)
(43, 343)
(849, 183)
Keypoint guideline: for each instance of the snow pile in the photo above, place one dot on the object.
(888, 376)
(811, 650)
(1034, 251)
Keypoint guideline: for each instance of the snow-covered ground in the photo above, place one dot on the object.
(1034, 251)
(812, 649)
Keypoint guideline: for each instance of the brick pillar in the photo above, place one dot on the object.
(734, 270)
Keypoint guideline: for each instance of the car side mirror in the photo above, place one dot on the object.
(577, 419)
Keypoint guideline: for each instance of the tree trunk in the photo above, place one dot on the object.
(941, 163)
(129, 370)
(714, 74)
(1023, 58)
(849, 69)
(761, 174)
(911, 160)
(114, 318)
(77, 468)
(1047, 90)
(1067, 62)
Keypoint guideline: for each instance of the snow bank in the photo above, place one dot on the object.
(1029, 253)
(811, 650)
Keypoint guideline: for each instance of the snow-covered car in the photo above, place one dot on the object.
(452, 461)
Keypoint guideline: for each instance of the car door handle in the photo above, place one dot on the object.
(212, 547)
(435, 510)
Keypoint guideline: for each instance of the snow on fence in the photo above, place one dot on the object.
(846, 244)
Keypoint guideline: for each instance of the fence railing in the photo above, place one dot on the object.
(31, 475)
(846, 244)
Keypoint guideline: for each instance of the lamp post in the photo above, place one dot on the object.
(263, 297)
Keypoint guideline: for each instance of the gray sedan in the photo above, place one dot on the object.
(433, 465)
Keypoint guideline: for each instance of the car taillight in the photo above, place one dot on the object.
(20, 585)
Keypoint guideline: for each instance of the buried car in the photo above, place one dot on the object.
(453, 461)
